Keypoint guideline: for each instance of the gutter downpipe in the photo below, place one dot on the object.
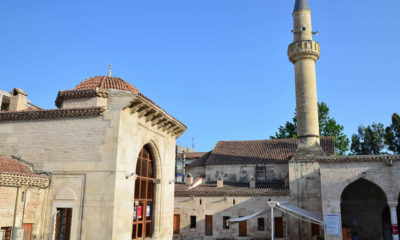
(15, 215)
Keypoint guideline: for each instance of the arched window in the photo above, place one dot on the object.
(144, 195)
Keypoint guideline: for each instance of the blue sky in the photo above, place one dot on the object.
(219, 66)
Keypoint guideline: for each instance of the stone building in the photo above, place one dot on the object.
(108, 152)
(236, 179)
(354, 197)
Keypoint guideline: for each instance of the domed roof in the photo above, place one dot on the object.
(106, 82)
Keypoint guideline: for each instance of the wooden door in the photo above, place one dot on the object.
(346, 233)
(28, 231)
(63, 223)
(209, 225)
(177, 223)
(278, 227)
(243, 229)
(315, 230)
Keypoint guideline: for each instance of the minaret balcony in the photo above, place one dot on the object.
(303, 49)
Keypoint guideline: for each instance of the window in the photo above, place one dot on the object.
(260, 174)
(193, 221)
(7, 233)
(63, 224)
(269, 173)
(5, 105)
(142, 226)
(209, 230)
(225, 224)
(278, 227)
(260, 224)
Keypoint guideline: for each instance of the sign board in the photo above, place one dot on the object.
(332, 222)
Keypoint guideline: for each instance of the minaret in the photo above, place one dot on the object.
(304, 177)
(303, 53)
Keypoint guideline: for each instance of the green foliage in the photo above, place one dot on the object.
(369, 140)
(327, 127)
(392, 134)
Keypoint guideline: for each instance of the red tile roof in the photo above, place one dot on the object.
(359, 158)
(231, 189)
(105, 82)
(12, 165)
(15, 172)
(51, 114)
(191, 155)
(255, 152)
(76, 94)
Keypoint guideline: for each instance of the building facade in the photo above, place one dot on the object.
(236, 179)
(356, 197)
(110, 152)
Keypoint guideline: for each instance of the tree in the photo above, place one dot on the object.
(327, 127)
(392, 134)
(369, 140)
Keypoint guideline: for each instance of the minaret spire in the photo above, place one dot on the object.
(303, 53)
(301, 4)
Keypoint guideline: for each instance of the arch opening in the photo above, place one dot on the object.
(143, 205)
(365, 213)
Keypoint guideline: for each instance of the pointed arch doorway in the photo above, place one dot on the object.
(364, 211)
(143, 205)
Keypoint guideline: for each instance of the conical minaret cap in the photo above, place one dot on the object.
(301, 4)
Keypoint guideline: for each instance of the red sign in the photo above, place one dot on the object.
(140, 211)
(395, 229)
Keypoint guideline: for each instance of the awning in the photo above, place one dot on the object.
(301, 213)
(292, 210)
(256, 214)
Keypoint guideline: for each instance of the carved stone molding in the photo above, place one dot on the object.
(151, 112)
(303, 49)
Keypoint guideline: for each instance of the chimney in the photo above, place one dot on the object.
(18, 100)
(252, 182)
(220, 182)
(189, 179)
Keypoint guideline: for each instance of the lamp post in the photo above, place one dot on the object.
(272, 205)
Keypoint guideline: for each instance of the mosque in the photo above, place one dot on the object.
(101, 166)
(318, 195)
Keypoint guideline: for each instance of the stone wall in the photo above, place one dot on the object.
(242, 173)
(84, 102)
(197, 172)
(336, 176)
(219, 207)
(29, 207)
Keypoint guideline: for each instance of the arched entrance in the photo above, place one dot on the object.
(364, 211)
(144, 195)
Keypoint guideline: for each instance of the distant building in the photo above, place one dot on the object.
(16, 100)
(184, 157)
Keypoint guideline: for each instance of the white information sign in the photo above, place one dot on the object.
(332, 223)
